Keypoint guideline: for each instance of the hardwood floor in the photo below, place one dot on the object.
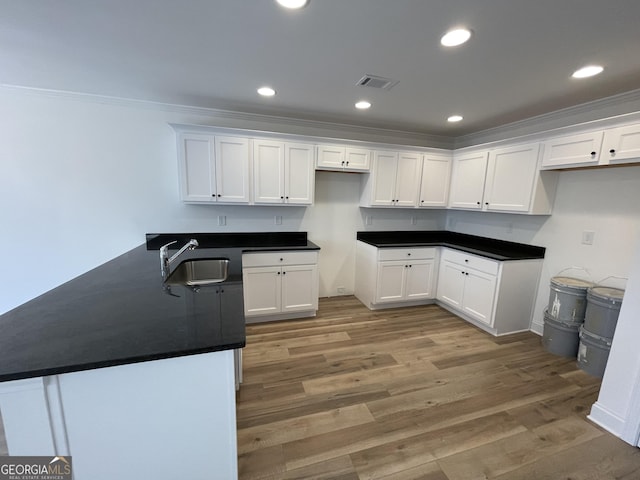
(415, 393)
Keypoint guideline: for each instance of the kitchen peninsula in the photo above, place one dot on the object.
(131, 377)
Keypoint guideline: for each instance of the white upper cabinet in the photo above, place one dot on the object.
(614, 146)
(467, 182)
(214, 169)
(503, 180)
(341, 158)
(581, 150)
(621, 145)
(394, 180)
(283, 173)
(435, 179)
(300, 175)
(511, 174)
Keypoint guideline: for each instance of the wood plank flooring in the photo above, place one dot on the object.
(415, 393)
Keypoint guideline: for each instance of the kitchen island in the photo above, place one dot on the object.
(131, 377)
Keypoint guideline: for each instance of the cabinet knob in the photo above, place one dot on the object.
(282, 259)
(406, 266)
(421, 201)
(342, 163)
(219, 195)
(462, 273)
(278, 273)
(281, 197)
(478, 203)
(287, 198)
(593, 154)
(347, 163)
(284, 273)
(486, 203)
(221, 291)
(467, 273)
(466, 260)
(612, 151)
(409, 254)
(410, 266)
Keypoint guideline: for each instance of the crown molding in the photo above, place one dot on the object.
(578, 116)
(255, 121)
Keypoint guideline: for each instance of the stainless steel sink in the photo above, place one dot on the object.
(200, 271)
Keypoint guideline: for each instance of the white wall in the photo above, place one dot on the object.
(604, 201)
(84, 179)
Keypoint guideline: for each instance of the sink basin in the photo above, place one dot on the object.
(200, 271)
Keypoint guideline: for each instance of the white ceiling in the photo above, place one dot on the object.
(215, 53)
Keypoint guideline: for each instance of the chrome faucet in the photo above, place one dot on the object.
(165, 260)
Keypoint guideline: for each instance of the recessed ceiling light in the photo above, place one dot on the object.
(266, 91)
(454, 118)
(588, 71)
(455, 37)
(363, 105)
(292, 4)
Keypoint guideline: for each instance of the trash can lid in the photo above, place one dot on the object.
(607, 293)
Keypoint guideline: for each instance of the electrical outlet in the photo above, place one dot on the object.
(587, 237)
(414, 220)
(278, 219)
(222, 220)
(368, 220)
(341, 290)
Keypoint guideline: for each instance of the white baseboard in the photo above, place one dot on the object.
(606, 419)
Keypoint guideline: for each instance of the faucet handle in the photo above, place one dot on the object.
(166, 246)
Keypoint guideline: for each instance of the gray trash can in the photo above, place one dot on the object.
(568, 298)
(603, 308)
(560, 338)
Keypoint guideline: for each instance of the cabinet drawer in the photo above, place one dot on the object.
(267, 259)
(485, 265)
(416, 253)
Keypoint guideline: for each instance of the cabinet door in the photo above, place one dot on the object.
(467, 185)
(230, 297)
(572, 151)
(232, 169)
(435, 179)
(390, 285)
(197, 168)
(299, 288)
(262, 290)
(407, 179)
(330, 157)
(451, 283)
(621, 145)
(419, 282)
(268, 171)
(357, 159)
(479, 293)
(299, 174)
(385, 166)
(511, 173)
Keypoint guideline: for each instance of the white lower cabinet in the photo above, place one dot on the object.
(395, 275)
(279, 285)
(496, 296)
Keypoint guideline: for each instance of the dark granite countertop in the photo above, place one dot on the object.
(486, 247)
(119, 312)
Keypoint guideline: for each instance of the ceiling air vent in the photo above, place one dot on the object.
(376, 82)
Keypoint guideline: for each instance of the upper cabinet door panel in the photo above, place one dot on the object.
(510, 177)
(300, 174)
(330, 157)
(357, 159)
(407, 179)
(385, 165)
(621, 145)
(232, 169)
(467, 185)
(197, 168)
(572, 151)
(436, 176)
(268, 171)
